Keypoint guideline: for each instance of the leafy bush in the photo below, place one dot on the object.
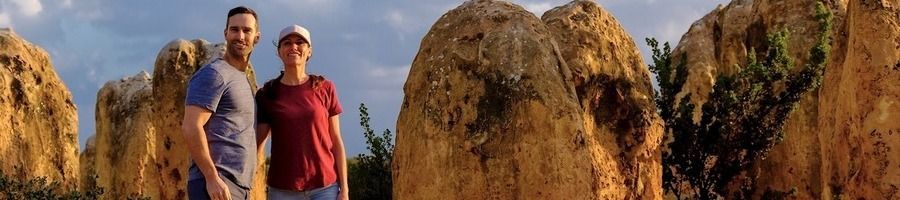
(742, 119)
(370, 175)
(39, 188)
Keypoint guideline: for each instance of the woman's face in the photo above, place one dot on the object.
(293, 50)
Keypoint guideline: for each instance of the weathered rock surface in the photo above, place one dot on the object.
(174, 66)
(859, 107)
(838, 141)
(614, 90)
(146, 131)
(121, 153)
(492, 111)
(38, 121)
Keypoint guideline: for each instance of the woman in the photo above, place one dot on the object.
(302, 111)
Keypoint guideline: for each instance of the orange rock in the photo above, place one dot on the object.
(38, 121)
(491, 110)
(838, 140)
(621, 124)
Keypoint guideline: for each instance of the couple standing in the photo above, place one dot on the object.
(225, 126)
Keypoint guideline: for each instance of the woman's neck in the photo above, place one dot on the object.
(294, 75)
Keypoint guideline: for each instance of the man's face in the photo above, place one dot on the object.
(241, 35)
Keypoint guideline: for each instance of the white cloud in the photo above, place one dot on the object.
(386, 77)
(538, 8)
(28, 7)
(395, 18)
(66, 3)
(672, 31)
(389, 72)
(674, 28)
(5, 20)
(88, 15)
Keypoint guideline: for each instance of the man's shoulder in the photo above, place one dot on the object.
(214, 65)
(207, 72)
(220, 69)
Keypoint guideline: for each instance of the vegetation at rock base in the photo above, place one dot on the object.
(370, 175)
(742, 119)
(40, 188)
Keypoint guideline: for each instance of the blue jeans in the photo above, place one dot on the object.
(329, 192)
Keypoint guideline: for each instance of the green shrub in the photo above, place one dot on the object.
(39, 188)
(742, 119)
(370, 175)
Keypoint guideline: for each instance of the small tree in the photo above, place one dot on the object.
(370, 175)
(742, 119)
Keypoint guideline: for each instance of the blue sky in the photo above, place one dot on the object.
(364, 46)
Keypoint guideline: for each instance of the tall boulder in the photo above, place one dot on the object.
(616, 98)
(121, 154)
(859, 106)
(838, 138)
(174, 66)
(492, 111)
(38, 121)
(718, 44)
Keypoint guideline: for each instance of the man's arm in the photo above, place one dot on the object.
(195, 136)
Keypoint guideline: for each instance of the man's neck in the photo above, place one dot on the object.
(237, 62)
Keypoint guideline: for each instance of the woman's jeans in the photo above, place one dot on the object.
(329, 192)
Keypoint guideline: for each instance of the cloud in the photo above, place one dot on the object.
(538, 8)
(391, 77)
(4, 20)
(66, 3)
(28, 8)
(395, 19)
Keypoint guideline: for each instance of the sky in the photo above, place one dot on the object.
(365, 46)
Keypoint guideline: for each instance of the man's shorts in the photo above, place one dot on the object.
(197, 190)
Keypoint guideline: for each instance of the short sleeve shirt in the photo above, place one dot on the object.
(230, 131)
(301, 138)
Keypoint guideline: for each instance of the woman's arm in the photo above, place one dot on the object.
(340, 156)
(262, 133)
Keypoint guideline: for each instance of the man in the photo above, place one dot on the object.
(219, 116)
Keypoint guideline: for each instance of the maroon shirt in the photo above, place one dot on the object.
(301, 138)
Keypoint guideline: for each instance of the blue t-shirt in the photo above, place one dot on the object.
(230, 131)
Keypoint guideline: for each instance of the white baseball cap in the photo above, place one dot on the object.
(295, 29)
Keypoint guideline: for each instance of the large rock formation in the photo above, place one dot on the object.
(146, 131)
(838, 140)
(492, 111)
(38, 121)
(614, 90)
(174, 66)
(121, 153)
(859, 106)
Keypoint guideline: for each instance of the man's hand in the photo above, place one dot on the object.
(217, 189)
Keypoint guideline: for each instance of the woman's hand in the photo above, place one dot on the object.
(344, 195)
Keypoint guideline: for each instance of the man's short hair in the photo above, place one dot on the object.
(241, 10)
